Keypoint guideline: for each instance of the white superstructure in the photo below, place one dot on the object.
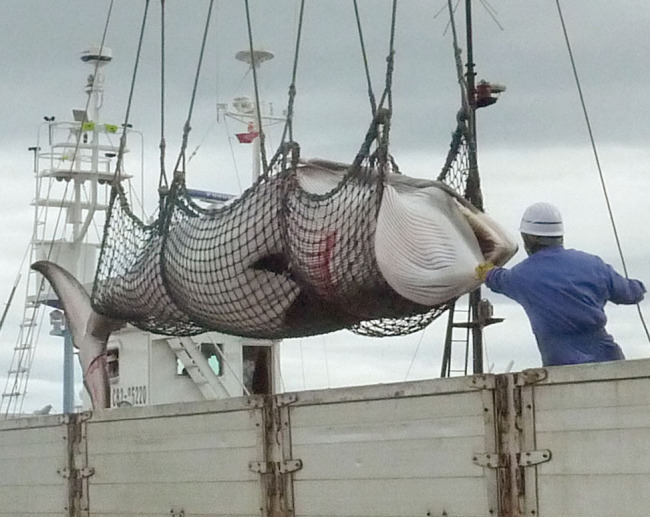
(74, 164)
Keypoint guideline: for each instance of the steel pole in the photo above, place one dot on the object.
(473, 187)
(68, 373)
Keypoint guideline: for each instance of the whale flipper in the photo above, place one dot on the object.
(90, 330)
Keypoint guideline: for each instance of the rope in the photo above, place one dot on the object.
(388, 93)
(390, 62)
(292, 87)
(256, 89)
(382, 116)
(371, 95)
(461, 127)
(292, 147)
(596, 157)
(288, 126)
(417, 349)
(391, 58)
(457, 59)
(120, 153)
(162, 181)
(180, 174)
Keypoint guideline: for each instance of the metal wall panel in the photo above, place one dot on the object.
(32, 453)
(166, 461)
(408, 449)
(394, 450)
(595, 420)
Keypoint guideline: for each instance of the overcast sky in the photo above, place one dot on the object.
(533, 144)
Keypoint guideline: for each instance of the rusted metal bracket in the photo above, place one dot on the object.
(260, 467)
(270, 467)
(86, 472)
(255, 402)
(287, 466)
(531, 458)
(493, 460)
(481, 382)
(78, 418)
(81, 473)
(531, 376)
(285, 400)
(76, 472)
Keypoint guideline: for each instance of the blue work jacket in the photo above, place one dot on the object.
(564, 292)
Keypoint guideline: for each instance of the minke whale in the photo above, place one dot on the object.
(293, 269)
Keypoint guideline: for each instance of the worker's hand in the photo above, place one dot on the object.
(482, 270)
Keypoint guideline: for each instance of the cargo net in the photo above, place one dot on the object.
(278, 262)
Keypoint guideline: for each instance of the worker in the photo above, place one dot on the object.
(563, 292)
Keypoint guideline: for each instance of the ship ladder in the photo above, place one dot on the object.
(24, 349)
(197, 367)
(457, 338)
(465, 329)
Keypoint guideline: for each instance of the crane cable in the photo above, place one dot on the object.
(381, 116)
(460, 74)
(122, 148)
(294, 73)
(596, 157)
(288, 126)
(179, 173)
(364, 55)
(162, 180)
(290, 147)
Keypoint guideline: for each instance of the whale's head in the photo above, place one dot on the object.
(496, 245)
(429, 241)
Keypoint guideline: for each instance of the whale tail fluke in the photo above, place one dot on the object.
(90, 330)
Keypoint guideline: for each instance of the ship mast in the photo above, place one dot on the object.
(72, 163)
(473, 188)
(479, 313)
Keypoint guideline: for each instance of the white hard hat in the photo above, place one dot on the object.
(542, 219)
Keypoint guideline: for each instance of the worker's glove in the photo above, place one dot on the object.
(482, 270)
